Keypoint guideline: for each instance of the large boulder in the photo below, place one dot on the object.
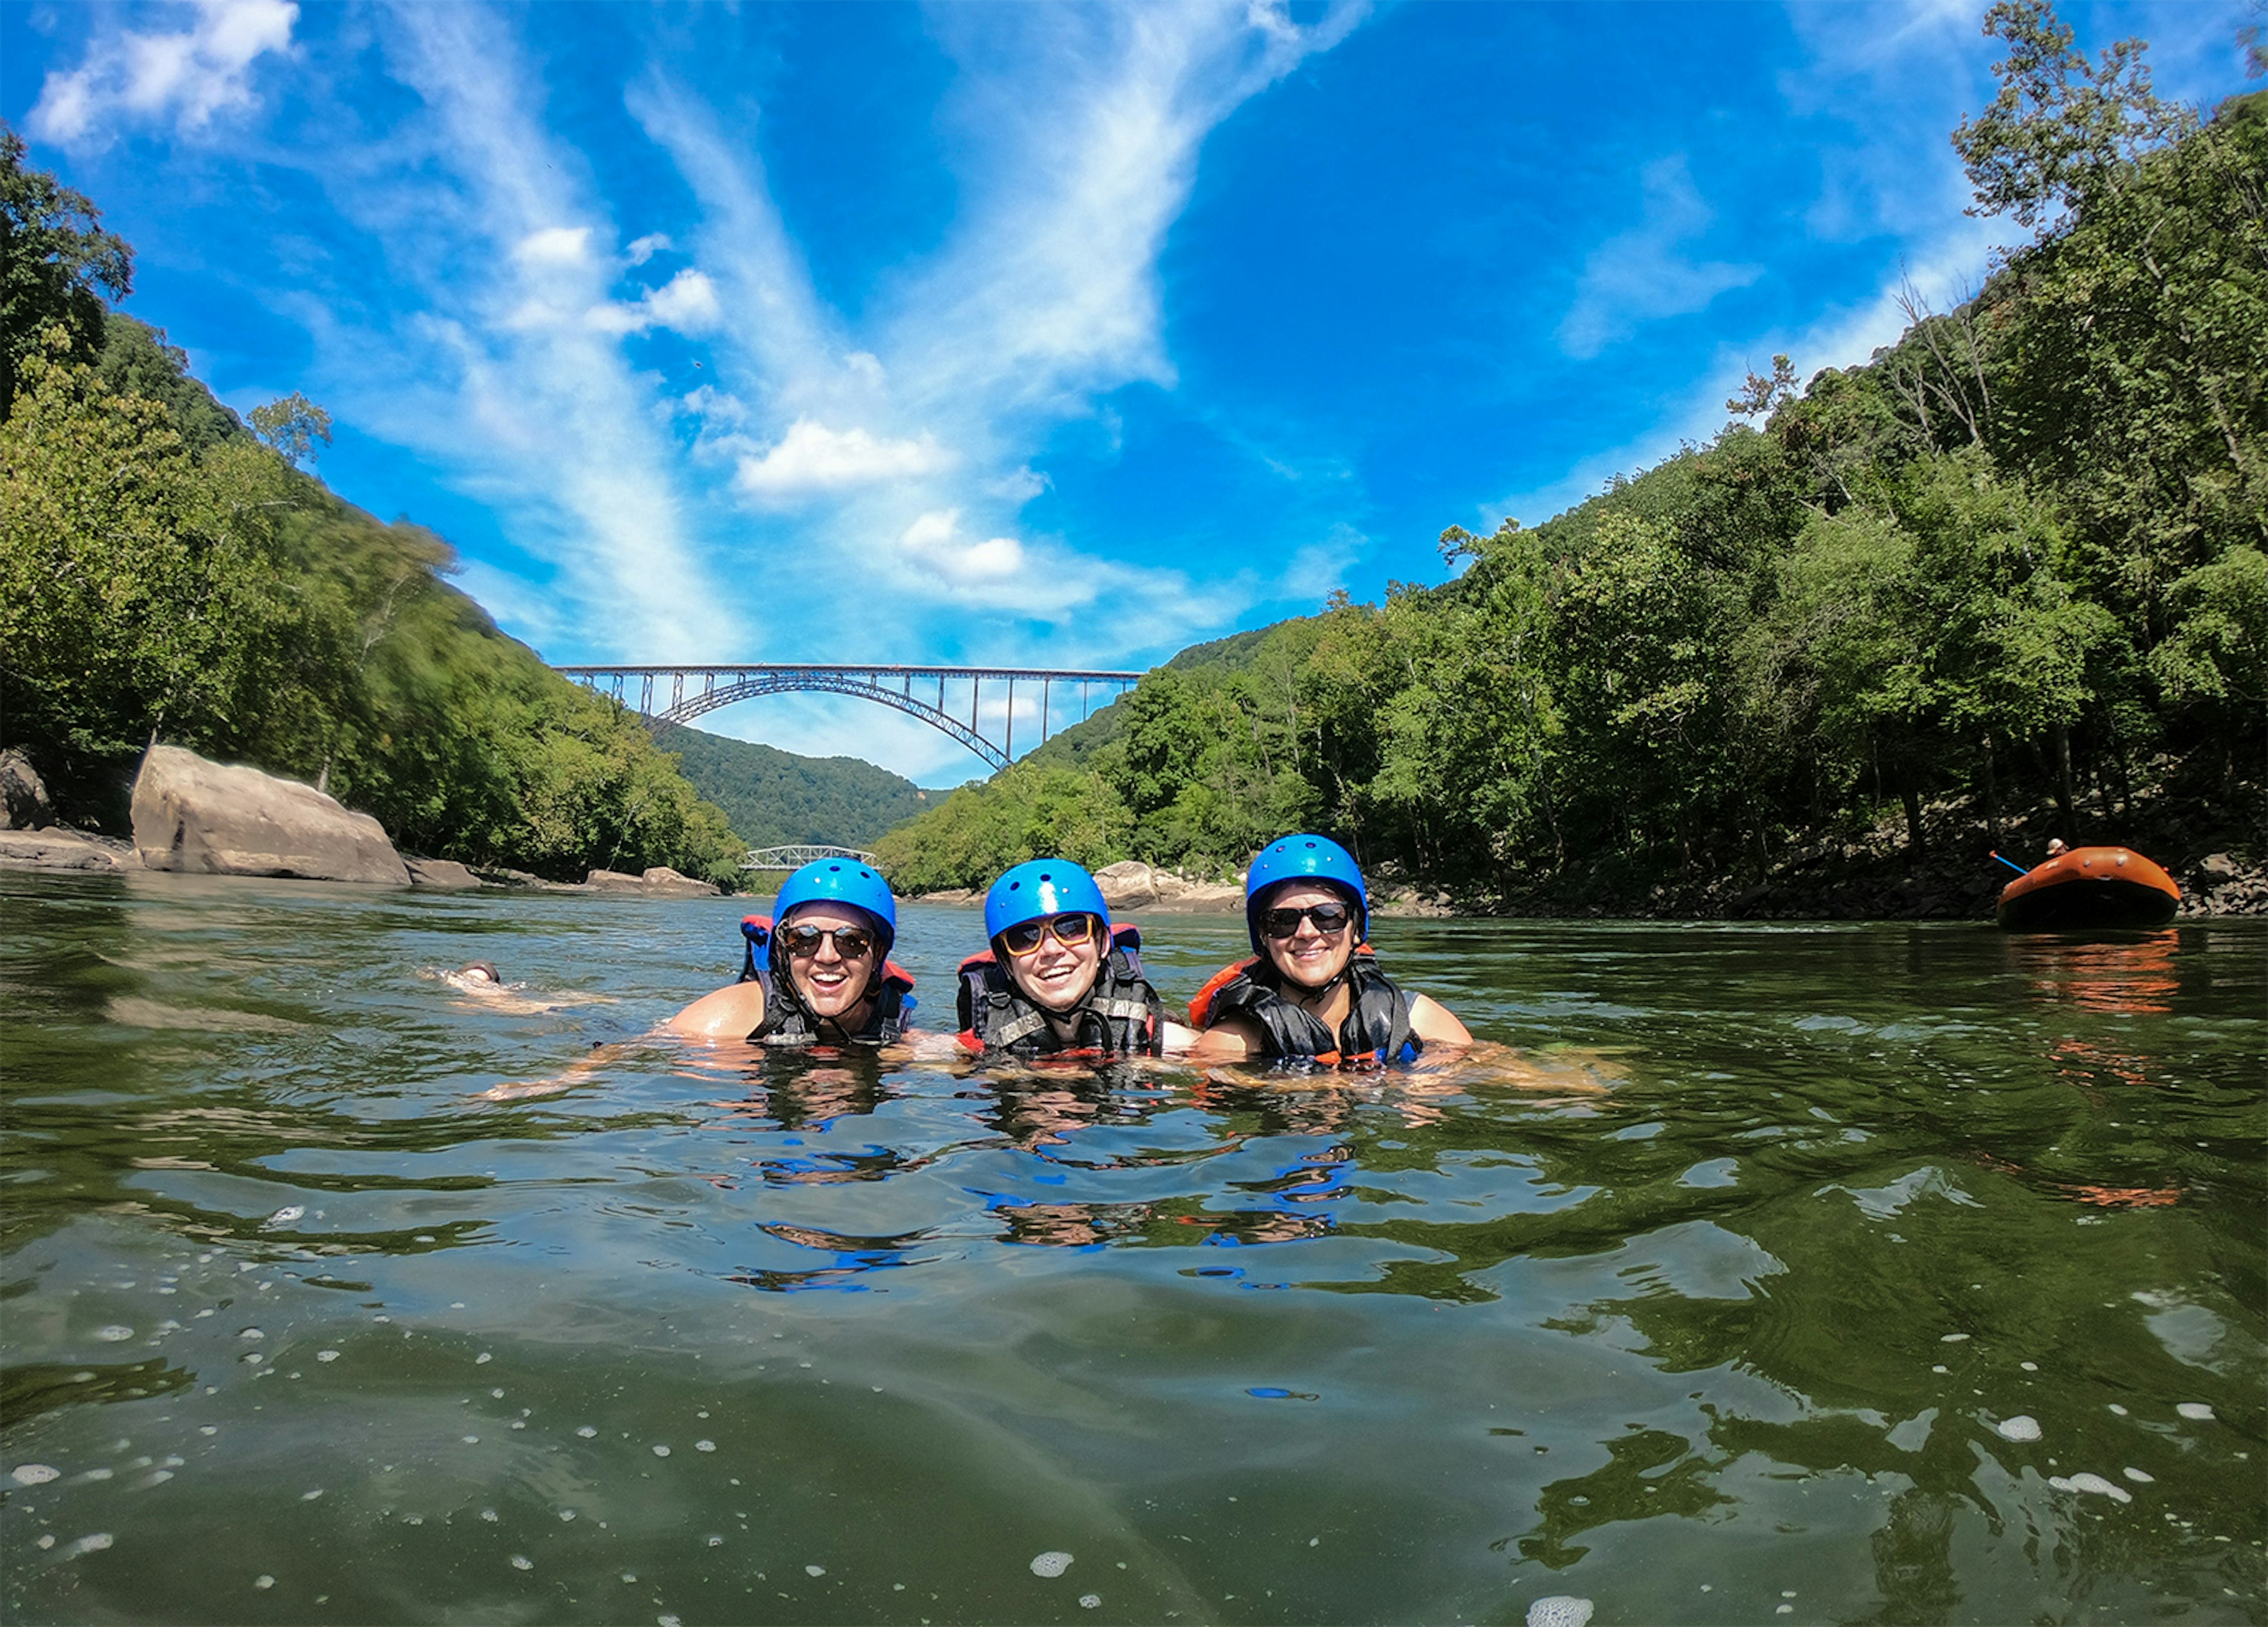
(216, 819)
(24, 804)
(1129, 884)
(670, 884)
(1132, 885)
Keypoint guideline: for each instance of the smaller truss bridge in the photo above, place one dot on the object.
(797, 857)
(986, 725)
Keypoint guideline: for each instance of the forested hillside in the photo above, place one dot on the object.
(2015, 561)
(774, 797)
(168, 574)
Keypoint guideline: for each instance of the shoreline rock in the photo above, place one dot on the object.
(24, 801)
(1134, 888)
(59, 847)
(440, 873)
(203, 818)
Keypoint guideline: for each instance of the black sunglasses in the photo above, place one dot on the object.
(1071, 930)
(852, 943)
(1329, 919)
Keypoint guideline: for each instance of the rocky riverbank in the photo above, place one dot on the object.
(194, 816)
(1868, 875)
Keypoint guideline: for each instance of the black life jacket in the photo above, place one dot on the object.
(1121, 1016)
(788, 1021)
(1376, 1029)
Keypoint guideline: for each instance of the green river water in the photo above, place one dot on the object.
(1900, 1273)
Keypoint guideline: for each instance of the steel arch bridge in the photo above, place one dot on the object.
(795, 858)
(907, 689)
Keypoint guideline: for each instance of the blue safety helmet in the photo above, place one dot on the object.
(1045, 886)
(1304, 859)
(841, 881)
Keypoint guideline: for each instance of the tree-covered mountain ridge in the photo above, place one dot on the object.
(2004, 580)
(776, 799)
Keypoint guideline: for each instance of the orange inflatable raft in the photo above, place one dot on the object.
(2090, 887)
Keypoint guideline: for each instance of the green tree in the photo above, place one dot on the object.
(55, 263)
(292, 426)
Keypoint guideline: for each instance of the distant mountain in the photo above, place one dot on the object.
(774, 797)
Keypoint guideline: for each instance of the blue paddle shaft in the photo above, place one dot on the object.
(2013, 866)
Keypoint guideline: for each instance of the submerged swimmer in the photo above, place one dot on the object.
(1058, 979)
(826, 977)
(1313, 987)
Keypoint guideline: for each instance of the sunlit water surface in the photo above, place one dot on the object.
(1903, 1273)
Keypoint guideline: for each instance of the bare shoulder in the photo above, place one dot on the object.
(1232, 1039)
(726, 1013)
(1435, 1024)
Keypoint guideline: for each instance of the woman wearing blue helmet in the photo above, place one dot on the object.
(826, 977)
(1313, 987)
(1058, 978)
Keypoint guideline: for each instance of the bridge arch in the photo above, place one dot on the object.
(720, 686)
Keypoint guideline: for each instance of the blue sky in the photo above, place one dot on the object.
(1033, 334)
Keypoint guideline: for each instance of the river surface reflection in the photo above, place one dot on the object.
(1897, 1273)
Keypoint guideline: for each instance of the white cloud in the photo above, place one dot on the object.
(812, 458)
(1641, 276)
(936, 540)
(553, 246)
(686, 304)
(187, 77)
(647, 246)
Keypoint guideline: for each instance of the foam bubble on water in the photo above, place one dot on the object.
(1940, 1367)
(2120, 1411)
(93, 1543)
(2138, 1477)
(566, 1513)
(716, 1542)
(704, 1445)
(2021, 1427)
(117, 1333)
(208, 1429)
(814, 1569)
(522, 1562)
(2193, 1410)
(587, 1431)
(1053, 1562)
(665, 1621)
(309, 1497)
(250, 1333)
(263, 1582)
(253, 1358)
(47, 1540)
(34, 1474)
(489, 1515)
(284, 1216)
(497, 1394)
(2095, 1484)
(661, 1451)
(1559, 1610)
(472, 1440)
(155, 1478)
(483, 1359)
(630, 1576)
(95, 1474)
(1090, 1601)
(1953, 1338)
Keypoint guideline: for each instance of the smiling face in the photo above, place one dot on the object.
(828, 983)
(1310, 957)
(1057, 975)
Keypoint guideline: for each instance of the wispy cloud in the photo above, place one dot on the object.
(1643, 273)
(185, 77)
(812, 458)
